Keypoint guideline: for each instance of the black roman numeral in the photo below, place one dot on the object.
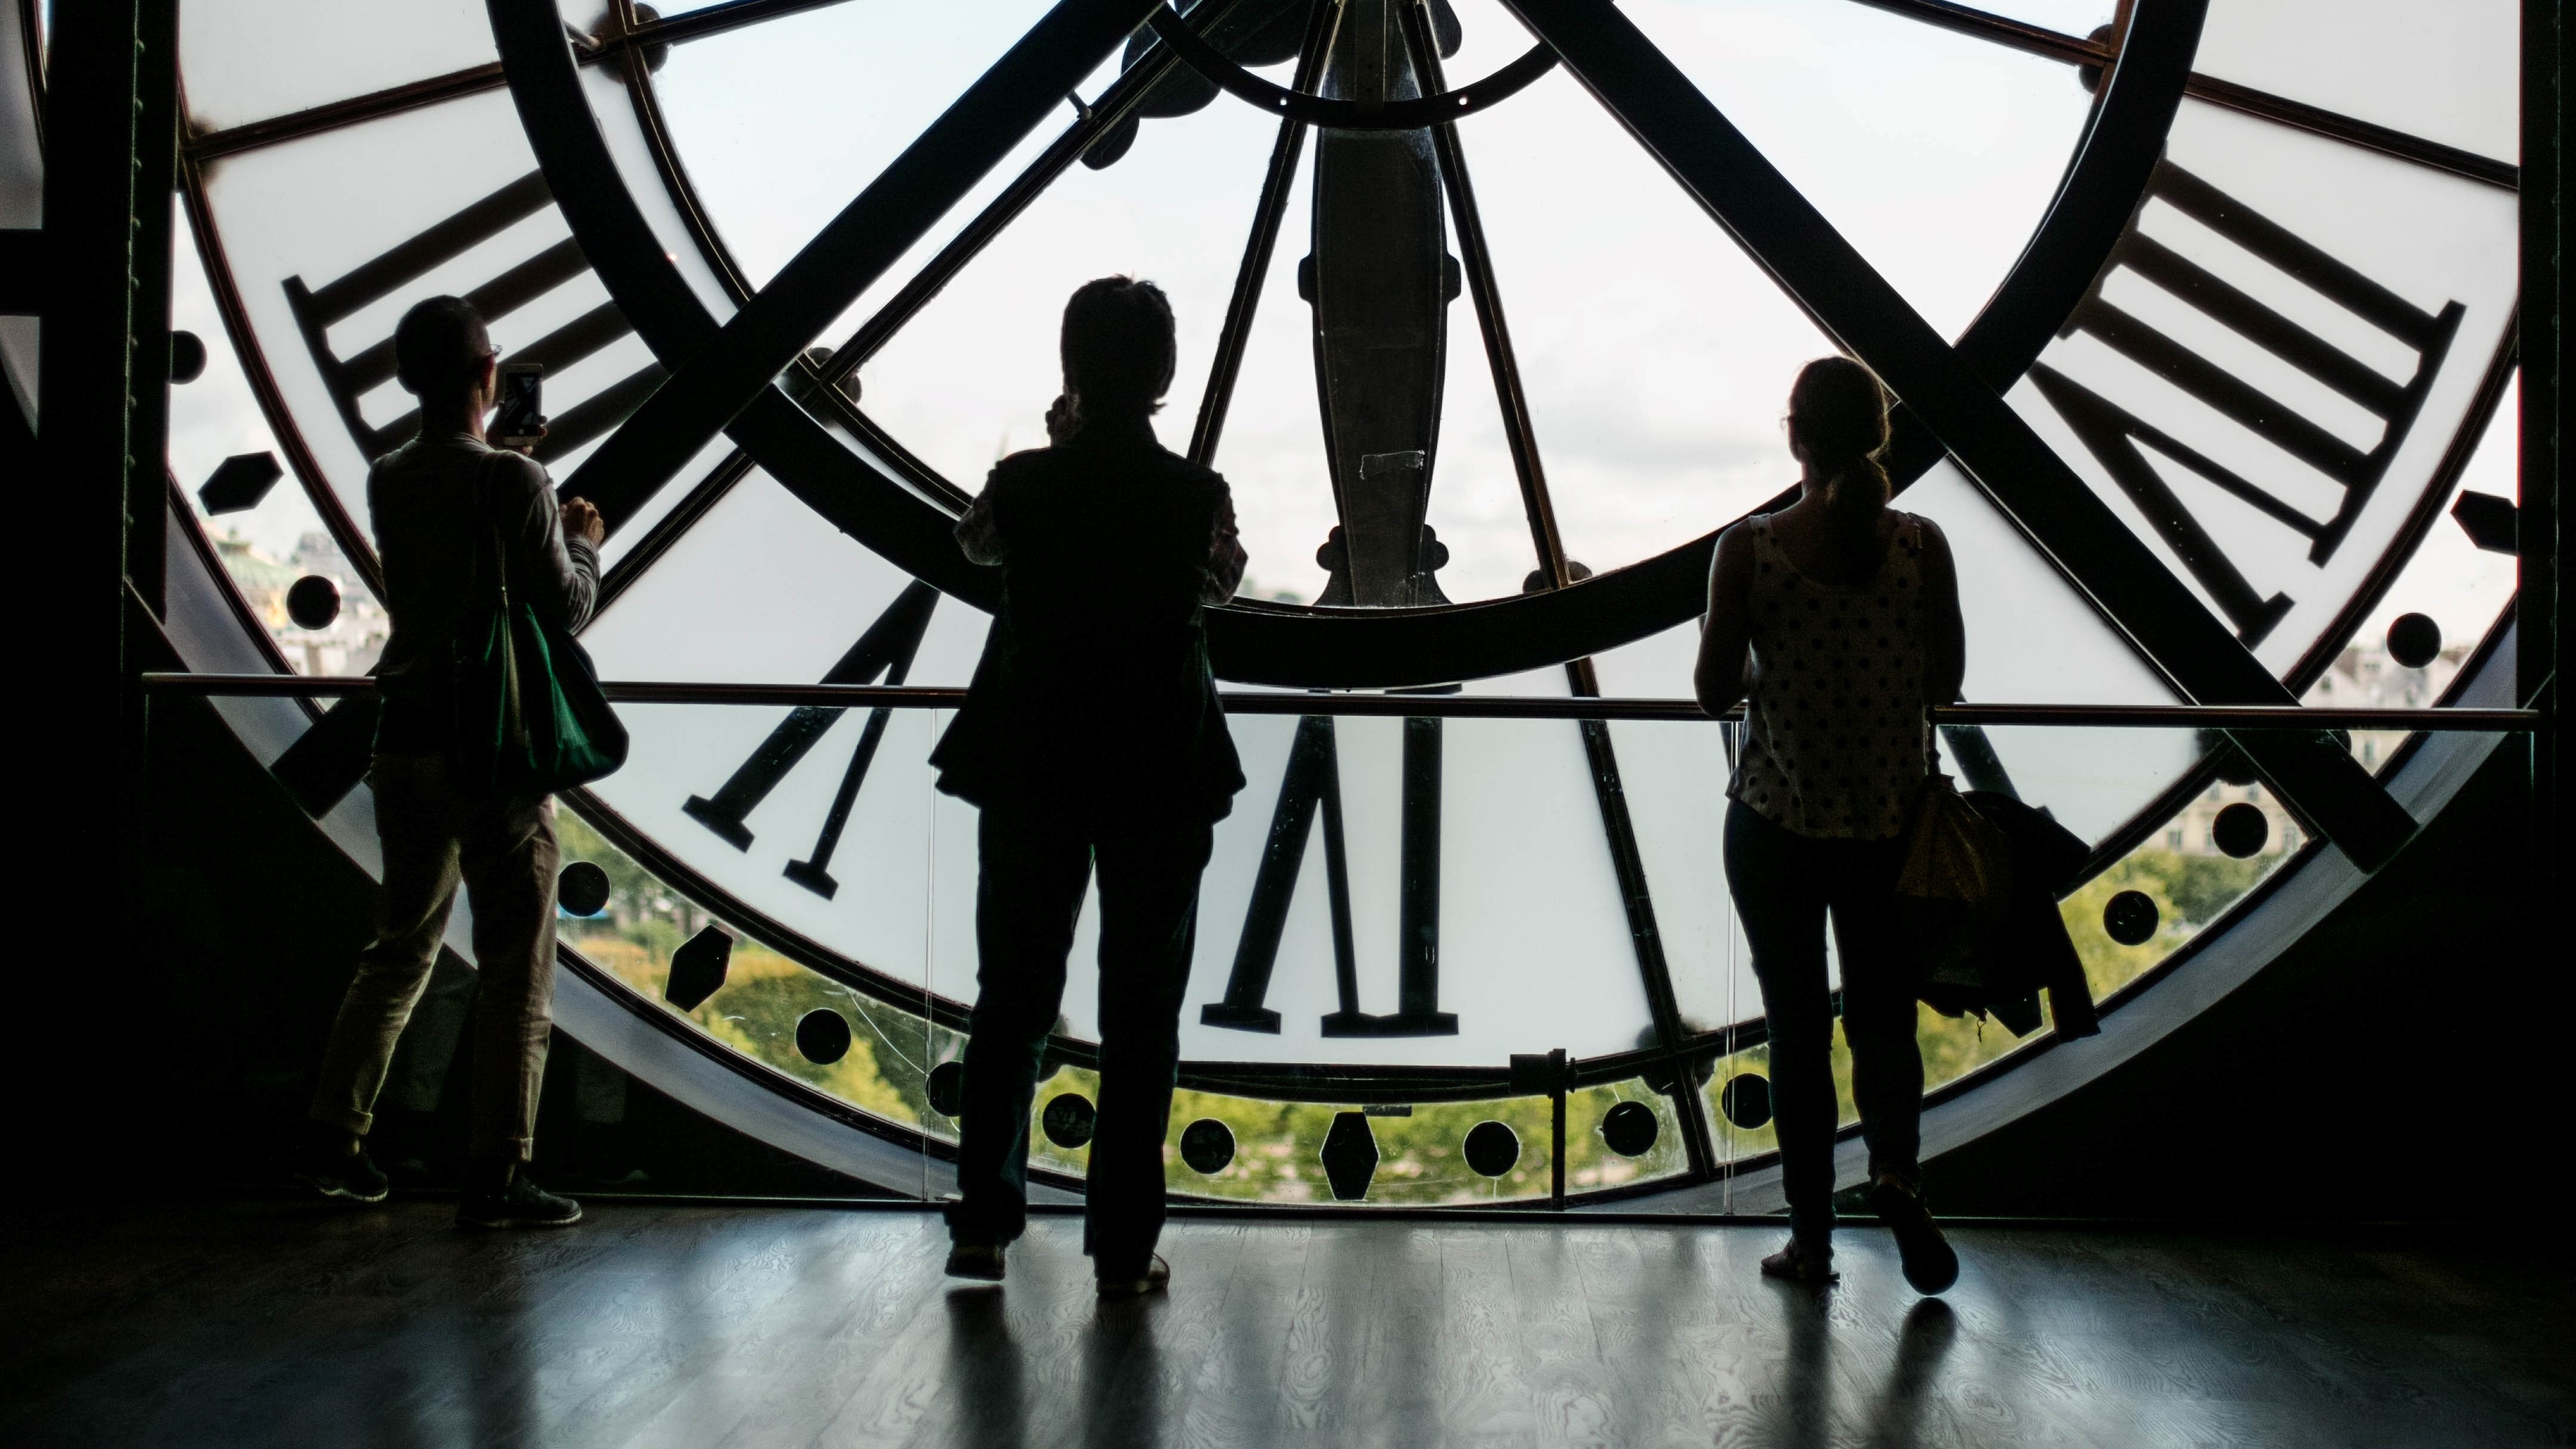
(885, 649)
(572, 423)
(2119, 438)
(1311, 786)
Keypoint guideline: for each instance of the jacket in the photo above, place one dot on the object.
(1093, 700)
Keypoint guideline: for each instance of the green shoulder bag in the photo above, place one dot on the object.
(530, 716)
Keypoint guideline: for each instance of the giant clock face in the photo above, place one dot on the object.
(2197, 312)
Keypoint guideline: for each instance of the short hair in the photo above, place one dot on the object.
(438, 346)
(1119, 349)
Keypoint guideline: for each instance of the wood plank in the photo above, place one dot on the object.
(224, 1323)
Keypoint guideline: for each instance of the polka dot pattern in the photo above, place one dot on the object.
(1836, 738)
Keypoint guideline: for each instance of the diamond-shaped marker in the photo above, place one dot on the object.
(240, 482)
(1350, 1156)
(698, 969)
(2488, 520)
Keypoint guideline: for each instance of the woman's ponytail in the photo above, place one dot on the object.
(1838, 417)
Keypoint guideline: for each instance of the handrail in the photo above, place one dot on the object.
(1433, 706)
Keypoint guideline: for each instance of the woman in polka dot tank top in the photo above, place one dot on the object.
(1836, 620)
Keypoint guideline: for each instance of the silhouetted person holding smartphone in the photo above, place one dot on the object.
(1847, 613)
(438, 503)
(1092, 736)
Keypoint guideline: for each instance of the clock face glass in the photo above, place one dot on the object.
(2285, 370)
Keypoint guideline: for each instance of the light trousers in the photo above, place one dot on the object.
(503, 851)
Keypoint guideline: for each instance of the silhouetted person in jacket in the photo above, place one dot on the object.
(438, 503)
(1092, 736)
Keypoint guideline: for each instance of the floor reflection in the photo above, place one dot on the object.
(1921, 1344)
(1894, 1416)
(985, 1371)
(1122, 1378)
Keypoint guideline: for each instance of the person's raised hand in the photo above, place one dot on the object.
(1059, 420)
(581, 520)
(526, 446)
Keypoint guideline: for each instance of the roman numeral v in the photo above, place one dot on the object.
(885, 649)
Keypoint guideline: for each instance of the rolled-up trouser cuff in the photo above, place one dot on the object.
(507, 1149)
(356, 1124)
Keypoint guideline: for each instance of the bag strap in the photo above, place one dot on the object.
(483, 508)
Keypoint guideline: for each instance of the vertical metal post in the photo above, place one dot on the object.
(156, 178)
(1533, 1073)
(2541, 662)
(86, 375)
(1556, 1129)
(1264, 241)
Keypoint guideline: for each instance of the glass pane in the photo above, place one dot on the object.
(2449, 73)
(247, 60)
(1739, 1104)
(1934, 153)
(760, 590)
(971, 377)
(877, 916)
(764, 997)
(265, 549)
(782, 123)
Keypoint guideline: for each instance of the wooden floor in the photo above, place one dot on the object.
(268, 1323)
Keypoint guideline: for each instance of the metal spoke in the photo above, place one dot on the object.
(2083, 51)
(1476, 260)
(1239, 310)
(1096, 120)
(476, 79)
(1600, 755)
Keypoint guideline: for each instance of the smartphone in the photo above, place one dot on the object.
(519, 419)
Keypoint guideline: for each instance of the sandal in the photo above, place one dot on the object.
(1799, 1263)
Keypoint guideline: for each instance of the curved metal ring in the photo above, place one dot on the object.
(1412, 115)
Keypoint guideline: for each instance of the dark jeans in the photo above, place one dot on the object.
(1034, 869)
(1784, 885)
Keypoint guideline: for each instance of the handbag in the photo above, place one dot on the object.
(530, 716)
(1953, 890)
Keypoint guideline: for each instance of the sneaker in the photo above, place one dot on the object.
(329, 1168)
(1156, 1277)
(1931, 1264)
(517, 1203)
(979, 1261)
(1798, 1263)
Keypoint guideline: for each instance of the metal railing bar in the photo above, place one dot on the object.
(1428, 706)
